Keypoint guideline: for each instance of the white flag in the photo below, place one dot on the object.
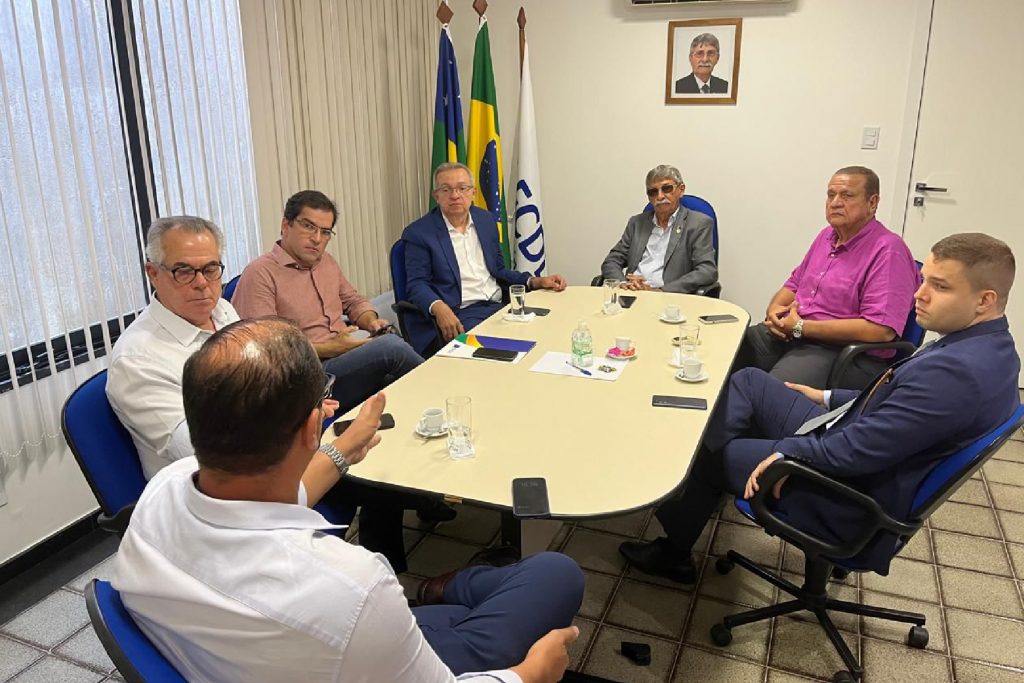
(528, 217)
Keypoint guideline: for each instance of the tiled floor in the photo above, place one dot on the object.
(965, 572)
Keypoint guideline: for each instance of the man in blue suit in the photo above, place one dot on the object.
(454, 269)
(882, 441)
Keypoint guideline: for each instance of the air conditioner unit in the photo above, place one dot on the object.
(659, 3)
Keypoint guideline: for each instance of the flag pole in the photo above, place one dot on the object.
(521, 20)
(444, 13)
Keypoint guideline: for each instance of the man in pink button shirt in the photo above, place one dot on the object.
(855, 284)
(297, 280)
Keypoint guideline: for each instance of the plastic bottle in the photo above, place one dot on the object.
(582, 346)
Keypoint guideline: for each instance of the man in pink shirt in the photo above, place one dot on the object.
(299, 281)
(855, 284)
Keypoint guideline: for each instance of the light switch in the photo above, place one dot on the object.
(869, 138)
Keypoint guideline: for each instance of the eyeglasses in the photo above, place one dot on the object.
(309, 228)
(186, 275)
(328, 385)
(664, 189)
(446, 190)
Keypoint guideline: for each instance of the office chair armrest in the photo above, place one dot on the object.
(116, 523)
(846, 356)
(812, 545)
(713, 290)
(402, 307)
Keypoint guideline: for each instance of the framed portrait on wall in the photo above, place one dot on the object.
(703, 65)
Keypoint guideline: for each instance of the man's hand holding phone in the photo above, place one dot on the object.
(362, 434)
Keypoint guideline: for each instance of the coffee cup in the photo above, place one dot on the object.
(624, 344)
(692, 367)
(672, 313)
(432, 420)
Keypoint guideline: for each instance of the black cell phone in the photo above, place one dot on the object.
(495, 354)
(679, 402)
(387, 329)
(386, 422)
(530, 498)
(540, 312)
(715, 319)
(626, 300)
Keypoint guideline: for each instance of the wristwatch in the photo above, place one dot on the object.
(336, 457)
(798, 329)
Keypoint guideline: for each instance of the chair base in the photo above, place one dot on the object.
(813, 597)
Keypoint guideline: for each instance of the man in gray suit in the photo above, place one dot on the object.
(670, 250)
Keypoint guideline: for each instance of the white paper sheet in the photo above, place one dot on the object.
(456, 349)
(557, 363)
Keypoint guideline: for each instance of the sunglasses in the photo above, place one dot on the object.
(664, 189)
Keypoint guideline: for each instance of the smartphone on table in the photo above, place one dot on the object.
(386, 422)
(716, 319)
(530, 498)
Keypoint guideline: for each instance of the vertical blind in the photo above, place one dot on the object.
(71, 259)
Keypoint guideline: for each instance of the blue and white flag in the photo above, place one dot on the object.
(528, 217)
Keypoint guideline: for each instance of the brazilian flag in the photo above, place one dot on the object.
(449, 143)
(484, 153)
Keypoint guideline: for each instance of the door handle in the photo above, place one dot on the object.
(923, 187)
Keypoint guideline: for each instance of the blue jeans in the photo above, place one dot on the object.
(491, 616)
(364, 371)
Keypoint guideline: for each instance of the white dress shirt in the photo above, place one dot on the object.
(144, 380)
(652, 264)
(477, 282)
(253, 591)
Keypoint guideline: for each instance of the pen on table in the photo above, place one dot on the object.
(588, 373)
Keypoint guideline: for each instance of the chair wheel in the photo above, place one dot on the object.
(843, 677)
(918, 637)
(724, 565)
(721, 635)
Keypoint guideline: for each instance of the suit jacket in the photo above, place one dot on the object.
(688, 85)
(938, 401)
(432, 271)
(689, 258)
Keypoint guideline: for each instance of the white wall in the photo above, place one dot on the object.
(812, 74)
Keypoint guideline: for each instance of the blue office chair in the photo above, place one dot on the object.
(402, 306)
(822, 557)
(108, 459)
(104, 451)
(229, 288)
(904, 345)
(134, 655)
(700, 205)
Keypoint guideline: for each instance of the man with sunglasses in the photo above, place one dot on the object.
(144, 378)
(298, 280)
(670, 250)
(453, 262)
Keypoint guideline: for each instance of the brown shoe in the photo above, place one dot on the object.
(431, 591)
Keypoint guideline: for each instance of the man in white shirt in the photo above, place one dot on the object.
(229, 574)
(453, 262)
(144, 378)
(669, 248)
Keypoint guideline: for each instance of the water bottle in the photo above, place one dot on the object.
(582, 346)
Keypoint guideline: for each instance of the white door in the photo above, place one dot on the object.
(970, 139)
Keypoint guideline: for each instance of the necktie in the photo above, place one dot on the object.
(706, 89)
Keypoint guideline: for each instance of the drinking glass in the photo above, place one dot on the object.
(689, 337)
(611, 295)
(517, 293)
(459, 415)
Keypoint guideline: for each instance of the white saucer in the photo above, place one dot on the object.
(700, 378)
(430, 435)
(680, 319)
(612, 356)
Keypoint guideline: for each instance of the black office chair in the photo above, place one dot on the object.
(693, 203)
(402, 306)
(904, 345)
(821, 557)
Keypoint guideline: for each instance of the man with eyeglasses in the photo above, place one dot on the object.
(144, 378)
(670, 250)
(453, 262)
(299, 281)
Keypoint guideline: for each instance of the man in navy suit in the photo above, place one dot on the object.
(454, 269)
(883, 441)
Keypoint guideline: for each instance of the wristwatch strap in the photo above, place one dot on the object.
(336, 457)
(798, 329)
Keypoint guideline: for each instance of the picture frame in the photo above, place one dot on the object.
(705, 74)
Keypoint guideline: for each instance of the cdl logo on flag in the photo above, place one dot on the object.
(529, 231)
